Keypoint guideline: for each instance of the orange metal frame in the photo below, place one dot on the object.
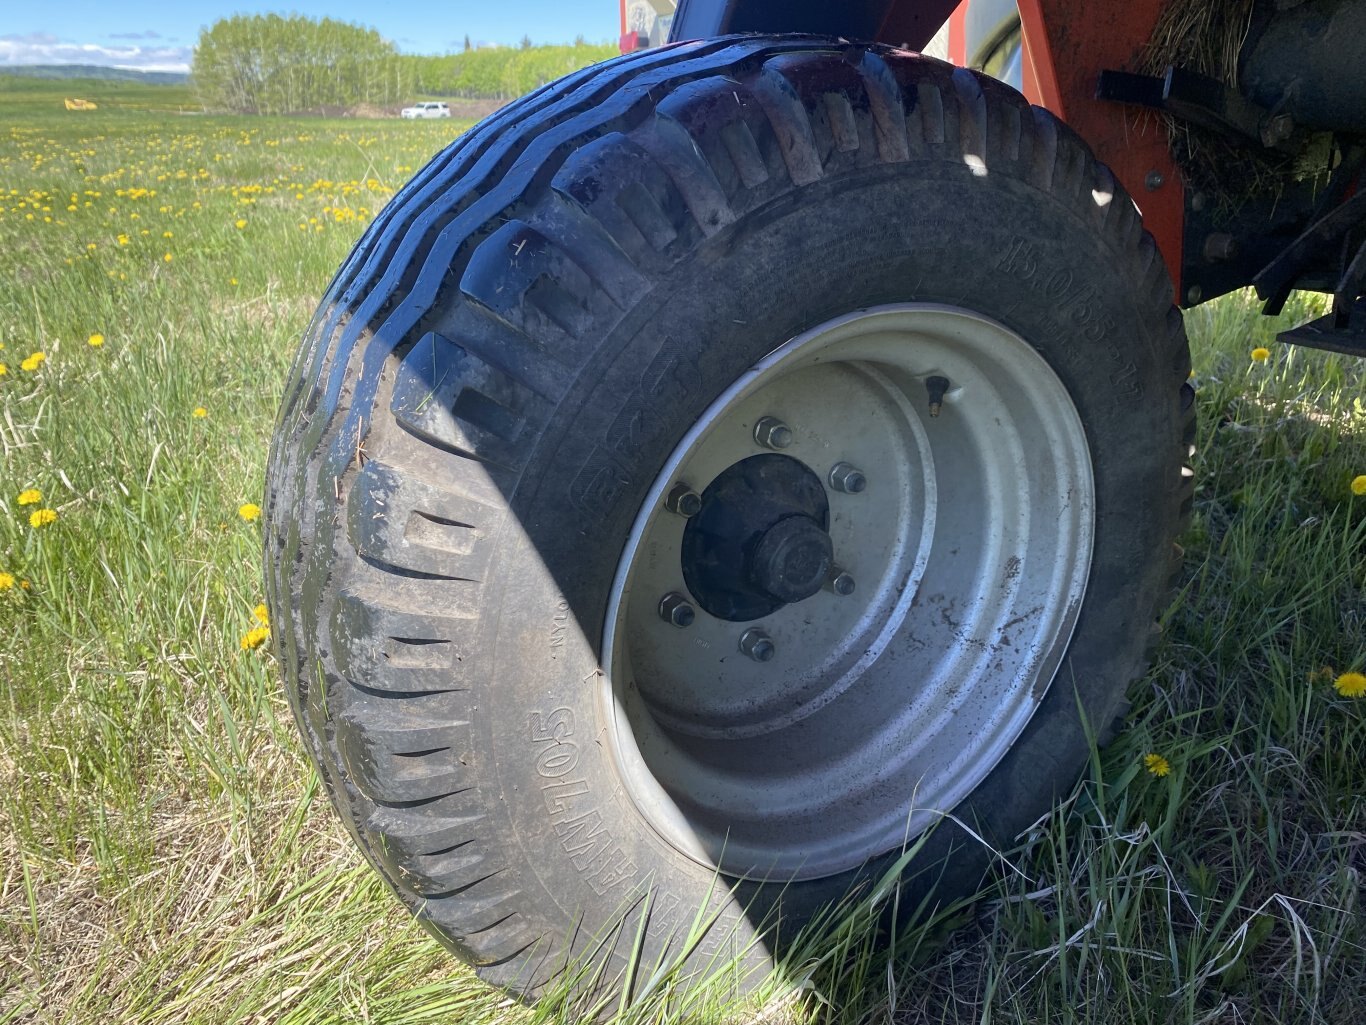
(1067, 43)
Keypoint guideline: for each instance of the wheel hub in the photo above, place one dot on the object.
(791, 559)
(759, 540)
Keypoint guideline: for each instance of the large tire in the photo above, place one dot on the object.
(475, 429)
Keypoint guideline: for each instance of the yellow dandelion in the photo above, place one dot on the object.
(31, 496)
(33, 361)
(255, 637)
(3, 370)
(6, 581)
(1157, 765)
(232, 281)
(1359, 484)
(1260, 355)
(167, 258)
(262, 614)
(241, 223)
(199, 413)
(96, 339)
(249, 511)
(1350, 685)
(40, 518)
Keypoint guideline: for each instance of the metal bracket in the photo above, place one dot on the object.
(1324, 333)
(1201, 100)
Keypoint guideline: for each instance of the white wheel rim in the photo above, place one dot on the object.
(881, 710)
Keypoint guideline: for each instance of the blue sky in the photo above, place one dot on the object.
(158, 35)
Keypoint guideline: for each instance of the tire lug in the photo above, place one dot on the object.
(840, 582)
(674, 608)
(757, 644)
(848, 478)
(771, 432)
(683, 500)
(937, 386)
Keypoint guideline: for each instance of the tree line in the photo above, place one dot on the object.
(269, 64)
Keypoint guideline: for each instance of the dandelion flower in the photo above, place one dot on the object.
(1157, 765)
(3, 370)
(232, 281)
(96, 339)
(241, 223)
(33, 362)
(262, 614)
(199, 413)
(167, 258)
(255, 637)
(6, 581)
(1260, 355)
(41, 518)
(32, 496)
(1359, 484)
(1350, 685)
(249, 511)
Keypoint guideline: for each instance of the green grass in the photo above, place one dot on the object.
(167, 855)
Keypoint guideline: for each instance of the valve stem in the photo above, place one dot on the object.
(936, 386)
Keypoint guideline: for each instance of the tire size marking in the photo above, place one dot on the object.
(574, 815)
(1076, 306)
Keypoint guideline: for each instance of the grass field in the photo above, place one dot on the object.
(167, 855)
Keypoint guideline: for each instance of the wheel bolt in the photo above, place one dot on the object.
(771, 432)
(676, 609)
(683, 500)
(840, 581)
(757, 644)
(848, 478)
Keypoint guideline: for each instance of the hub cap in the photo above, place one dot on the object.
(879, 608)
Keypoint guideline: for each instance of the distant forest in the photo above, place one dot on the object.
(95, 71)
(269, 64)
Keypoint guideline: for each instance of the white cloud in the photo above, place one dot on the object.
(43, 48)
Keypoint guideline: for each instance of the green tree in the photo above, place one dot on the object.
(269, 64)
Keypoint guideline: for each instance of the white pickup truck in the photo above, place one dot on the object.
(427, 110)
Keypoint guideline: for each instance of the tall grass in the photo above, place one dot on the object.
(168, 856)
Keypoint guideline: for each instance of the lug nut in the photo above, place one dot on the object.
(771, 432)
(936, 386)
(676, 609)
(840, 581)
(683, 500)
(757, 644)
(847, 478)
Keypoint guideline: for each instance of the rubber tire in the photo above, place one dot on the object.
(520, 339)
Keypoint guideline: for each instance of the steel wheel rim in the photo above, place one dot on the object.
(879, 711)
